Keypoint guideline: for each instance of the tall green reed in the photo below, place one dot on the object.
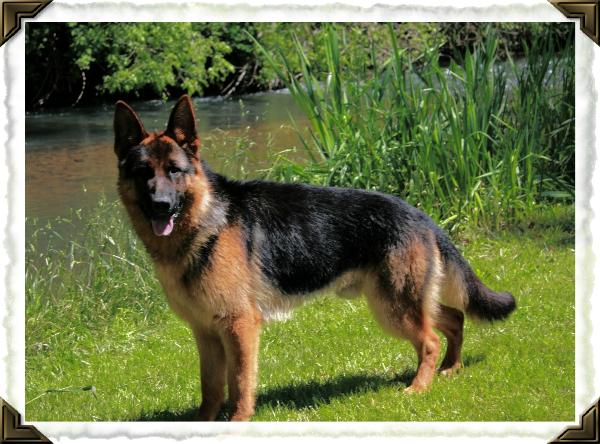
(82, 271)
(456, 141)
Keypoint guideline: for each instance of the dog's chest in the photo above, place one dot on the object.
(188, 302)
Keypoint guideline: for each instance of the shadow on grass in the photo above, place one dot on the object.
(313, 393)
(299, 396)
(308, 394)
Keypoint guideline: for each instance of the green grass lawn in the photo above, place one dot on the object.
(330, 362)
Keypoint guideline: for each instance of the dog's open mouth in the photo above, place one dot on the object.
(163, 225)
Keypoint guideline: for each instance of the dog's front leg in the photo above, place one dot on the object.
(212, 373)
(240, 340)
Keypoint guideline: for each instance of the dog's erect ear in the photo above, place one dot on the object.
(182, 125)
(129, 130)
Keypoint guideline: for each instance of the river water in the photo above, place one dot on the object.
(69, 158)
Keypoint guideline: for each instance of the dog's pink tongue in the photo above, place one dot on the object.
(163, 227)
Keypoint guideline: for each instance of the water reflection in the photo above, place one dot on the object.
(70, 150)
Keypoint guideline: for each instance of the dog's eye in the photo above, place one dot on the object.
(174, 170)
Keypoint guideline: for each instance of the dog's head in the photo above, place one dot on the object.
(156, 169)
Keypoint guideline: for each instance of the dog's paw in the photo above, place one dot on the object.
(450, 371)
(414, 388)
(207, 413)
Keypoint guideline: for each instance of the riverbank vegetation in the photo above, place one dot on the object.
(473, 123)
(74, 64)
(477, 142)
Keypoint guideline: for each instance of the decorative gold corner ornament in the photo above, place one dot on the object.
(13, 431)
(587, 430)
(14, 11)
(588, 11)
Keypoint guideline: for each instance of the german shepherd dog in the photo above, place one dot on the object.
(230, 255)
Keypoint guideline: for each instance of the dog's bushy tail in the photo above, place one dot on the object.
(484, 303)
(475, 298)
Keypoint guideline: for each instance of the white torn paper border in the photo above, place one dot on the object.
(12, 210)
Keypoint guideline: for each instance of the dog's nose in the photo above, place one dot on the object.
(161, 206)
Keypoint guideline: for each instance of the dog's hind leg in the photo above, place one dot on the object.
(415, 325)
(450, 322)
(427, 345)
(212, 374)
(404, 300)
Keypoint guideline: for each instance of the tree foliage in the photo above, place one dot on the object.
(156, 55)
(83, 63)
